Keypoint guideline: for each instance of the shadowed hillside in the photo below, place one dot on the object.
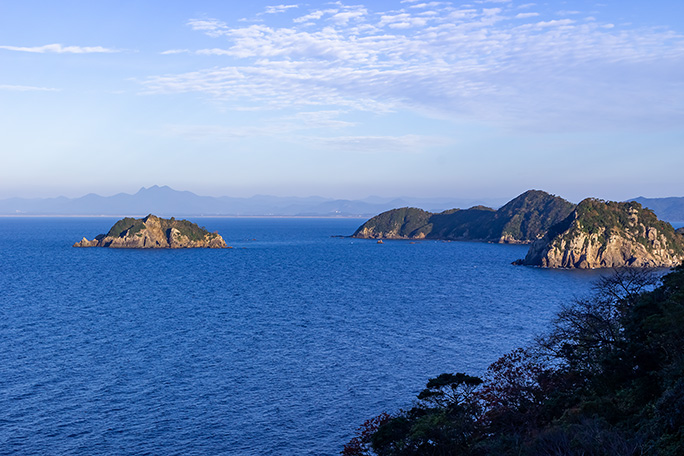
(522, 220)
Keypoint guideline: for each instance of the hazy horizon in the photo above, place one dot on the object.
(484, 100)
(493, 202)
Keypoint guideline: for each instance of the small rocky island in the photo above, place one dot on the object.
(153, 232)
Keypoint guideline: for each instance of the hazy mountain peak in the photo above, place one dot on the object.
(156, 188)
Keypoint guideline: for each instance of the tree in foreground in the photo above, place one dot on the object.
(442, 422)
(608, 379)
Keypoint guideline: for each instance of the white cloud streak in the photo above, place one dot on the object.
(526, 15)
(489, 64)
(279, 9)
(59, 49)
(211, 27)
(25, 88)
(276, 127)
(175, 51)
(314, 16)
(406, 144)
(307, 122)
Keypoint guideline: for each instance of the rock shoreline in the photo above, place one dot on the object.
(153, 232)
(600, 234)
(593, 234)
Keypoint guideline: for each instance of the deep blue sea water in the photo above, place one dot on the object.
(283, 345)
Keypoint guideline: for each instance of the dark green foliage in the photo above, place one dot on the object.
(591, 436)
(594, 214)
(124, 226)
(449, 389)
(404, 222)
(360, 444)
(607, 380)
(606, 217)
(530, 215)
(591, 329)
(470, 224)
(442, 423)
(421, 431)
(186, 228)
(524, 219)
(597, 221)
(129, 226)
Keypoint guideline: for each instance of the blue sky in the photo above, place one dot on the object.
(481, 99)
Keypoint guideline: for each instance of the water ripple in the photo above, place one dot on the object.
(281, 346)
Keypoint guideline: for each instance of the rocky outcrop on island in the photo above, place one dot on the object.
(153, 232)
(600, 234)
(522, 220)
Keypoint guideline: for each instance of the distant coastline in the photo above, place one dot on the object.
(166, 201)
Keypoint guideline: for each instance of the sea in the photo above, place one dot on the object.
(283, 345)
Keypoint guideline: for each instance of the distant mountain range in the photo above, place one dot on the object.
(670, 209)
(165, 201)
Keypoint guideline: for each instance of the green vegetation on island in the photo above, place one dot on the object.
(606, 380)
(523, 220)
(402, 223)
(593, 234)
(155, 232)
(132, 226)
(603, 234)
(126, 225)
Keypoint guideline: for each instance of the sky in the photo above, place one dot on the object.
(481, 99)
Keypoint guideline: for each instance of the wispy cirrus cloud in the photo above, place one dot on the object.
(175, 51)
(292, 128)
(25, 88)
(60, 49)
(427, 5)
(406, 144)
(275, 127)
(311, 17)
(402, 20)
(279, 9)
(489, 62)
(211, 27)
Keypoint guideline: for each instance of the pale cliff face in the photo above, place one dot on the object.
(150, 237)
(588, 252)
(634, 245)
(153, 236)
(371, 233)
